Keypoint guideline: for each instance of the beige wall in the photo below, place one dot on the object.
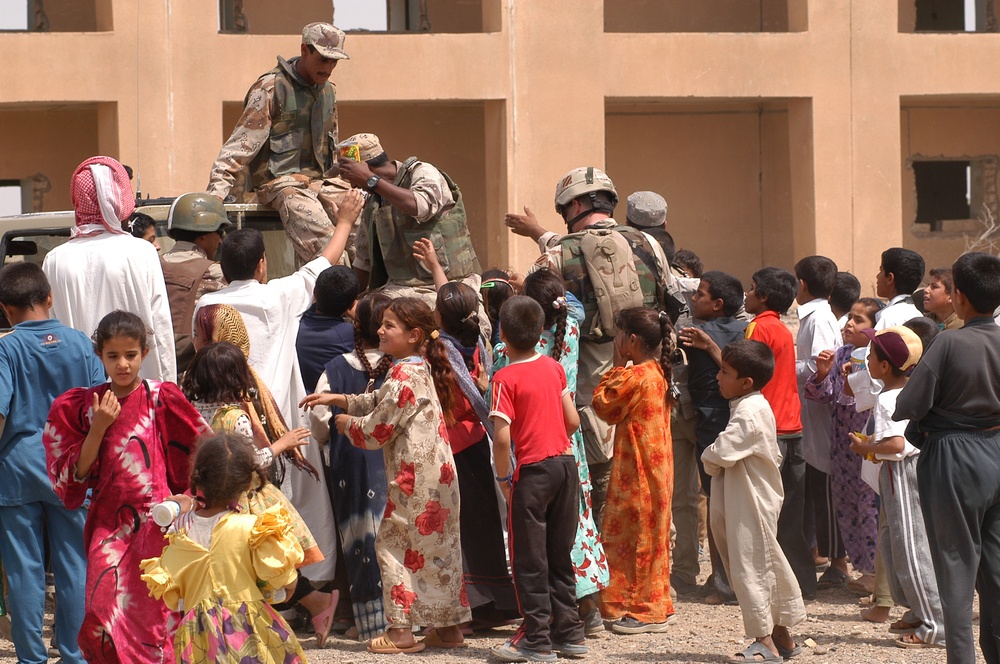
(521, 92)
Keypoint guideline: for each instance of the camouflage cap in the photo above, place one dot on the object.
(327, 39)
(646, 209)
(369, 146)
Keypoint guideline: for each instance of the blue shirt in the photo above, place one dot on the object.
(39, 360)
(320, 339)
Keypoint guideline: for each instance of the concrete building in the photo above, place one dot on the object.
(774, 128)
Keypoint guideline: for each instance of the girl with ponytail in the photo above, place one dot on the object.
(561, 341)
(633, 396)
(418, 545)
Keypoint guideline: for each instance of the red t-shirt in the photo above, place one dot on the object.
(781, 392)
(528, 394)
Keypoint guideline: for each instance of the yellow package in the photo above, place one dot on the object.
(351, 151)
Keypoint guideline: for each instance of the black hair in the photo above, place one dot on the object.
(750, 359)
(218, 373)
(375, 162)
(977, 275)
(240, 253)
(495, 290)
(906, 267)
(522, 320)
(943, 274)
(336, 290)
(23, 285)
(224, 468)
(725, 287)
(689, 261)
(872, 307)
(185, 235)
(367, 320)
(881, 357)
(546, 288)
(120, 324)
(777, 286)
(924, 328)
(458, 306)
(819, 274)
(137, 223)
(654, 330)
(846, 291)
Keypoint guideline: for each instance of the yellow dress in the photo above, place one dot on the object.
(219, 590)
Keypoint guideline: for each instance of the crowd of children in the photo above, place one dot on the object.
(457, 473)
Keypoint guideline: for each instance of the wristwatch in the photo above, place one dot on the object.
(372, 182)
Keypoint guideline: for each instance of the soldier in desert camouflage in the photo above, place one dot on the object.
(287, 141)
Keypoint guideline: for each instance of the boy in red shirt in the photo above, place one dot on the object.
(532, 405)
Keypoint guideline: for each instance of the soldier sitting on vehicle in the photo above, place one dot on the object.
(196, 224)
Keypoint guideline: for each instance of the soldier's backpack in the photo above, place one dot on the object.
(608, 259)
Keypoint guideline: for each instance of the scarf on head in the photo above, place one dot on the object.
(102, 197)
(456, 357)
(224, 323)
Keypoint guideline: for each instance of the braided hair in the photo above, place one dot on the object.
(457, 307)
(414, 313)
(654, 330)
(495, 290)
(367, 320)
(547, 288)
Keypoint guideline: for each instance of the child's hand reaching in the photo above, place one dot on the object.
(106, 411)
(824, 362)
(323, 399)
(290, 441)
(350, 207)
(423, 251)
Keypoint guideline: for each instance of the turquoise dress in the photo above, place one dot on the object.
(589, 562)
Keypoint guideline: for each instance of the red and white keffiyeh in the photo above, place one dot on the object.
(102, 197)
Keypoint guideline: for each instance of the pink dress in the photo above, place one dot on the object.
(145, 457)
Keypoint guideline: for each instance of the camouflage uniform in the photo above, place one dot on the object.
(596, 358)
(287, 138)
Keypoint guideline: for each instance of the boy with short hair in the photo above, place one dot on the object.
(39, 360)
(746, 499)
(937, 299)
(846, 291)
(953, 403)
(325, 331)
(899, 275)
(818, 331)
(902, 537)
(532, 405)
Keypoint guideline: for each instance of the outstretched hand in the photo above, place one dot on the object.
(350, 207)
(323, 399)
(423, 251)
(291, 440)
(524, 224)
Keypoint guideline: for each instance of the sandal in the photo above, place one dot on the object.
(913, 641)
(323, 622)
(433, 640)
(788, 653)
(903, 627)
(383, 645)
(831, 578)
(754, 650)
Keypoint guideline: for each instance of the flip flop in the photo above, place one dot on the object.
(903, 627)
(434, 640)
(913, 641)
(323, 622)
(788, 653)
(831, 578)
(383, 645)
(751, 652)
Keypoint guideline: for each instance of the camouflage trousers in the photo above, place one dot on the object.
(429, 295)
(308, 208)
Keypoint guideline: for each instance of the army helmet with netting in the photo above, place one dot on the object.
(197, 212)
(581, 182)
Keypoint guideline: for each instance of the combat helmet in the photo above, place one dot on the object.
(197, 212)
(583, 181)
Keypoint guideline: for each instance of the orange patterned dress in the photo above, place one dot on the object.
(636, 529)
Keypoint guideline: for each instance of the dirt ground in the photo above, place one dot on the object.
(701, 633)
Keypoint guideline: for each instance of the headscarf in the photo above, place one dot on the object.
(102, 197)
(223, 322)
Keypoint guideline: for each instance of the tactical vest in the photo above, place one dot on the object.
(574, 272)
(391, 235)
(182, 280)
(301, 111)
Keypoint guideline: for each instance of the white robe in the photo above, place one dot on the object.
(746, 500)
(271, 313)
(93, 276)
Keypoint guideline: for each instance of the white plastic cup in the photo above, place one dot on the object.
(164, 513)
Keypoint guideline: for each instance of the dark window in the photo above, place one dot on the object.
(943, 189)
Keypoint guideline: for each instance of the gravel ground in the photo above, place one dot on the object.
(701, 633)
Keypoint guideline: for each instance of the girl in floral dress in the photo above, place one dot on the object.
(418, 544)
(130, 441)
(221, 564)
(636, 527)
(561, 342)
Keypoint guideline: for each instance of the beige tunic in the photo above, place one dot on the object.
(746, 499)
